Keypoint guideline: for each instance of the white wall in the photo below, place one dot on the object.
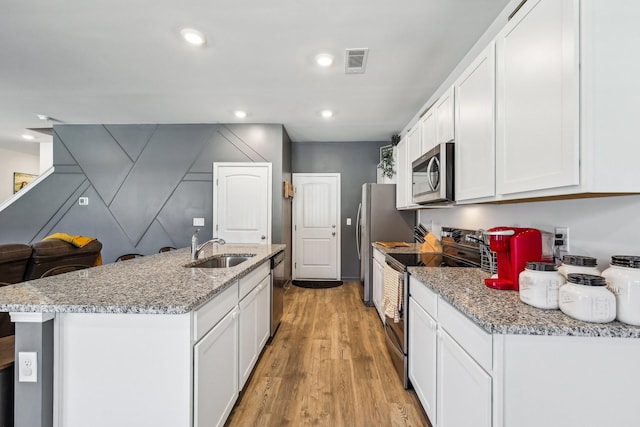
(598, 227)
(12, 160)
(46, 156)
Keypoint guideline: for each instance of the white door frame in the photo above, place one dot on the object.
(338, 236)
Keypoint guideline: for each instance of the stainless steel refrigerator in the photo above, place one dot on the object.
(379, 220)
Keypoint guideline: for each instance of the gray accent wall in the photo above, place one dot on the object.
(145, 184)
(356, 162)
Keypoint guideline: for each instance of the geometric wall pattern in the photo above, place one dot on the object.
(145, 183)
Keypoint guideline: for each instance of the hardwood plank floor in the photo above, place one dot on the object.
(327, 366)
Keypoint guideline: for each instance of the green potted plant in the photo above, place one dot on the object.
(386, 162)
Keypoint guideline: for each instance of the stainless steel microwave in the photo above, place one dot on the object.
(432, 176)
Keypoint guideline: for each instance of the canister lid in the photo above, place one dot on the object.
(541, 266)
(582, 261)
(586, 279)
(626, 261)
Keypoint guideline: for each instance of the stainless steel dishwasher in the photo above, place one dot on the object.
(278, 281)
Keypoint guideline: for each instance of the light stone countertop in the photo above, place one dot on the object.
(154, 284)
(502, 312)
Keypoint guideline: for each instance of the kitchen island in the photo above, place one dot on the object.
(480, 356)
(145, 342)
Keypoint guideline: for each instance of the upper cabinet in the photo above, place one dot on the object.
(537, 133)
(428, 131)
(475, 137)
(445, 117)
(408, 151)
(548, 109)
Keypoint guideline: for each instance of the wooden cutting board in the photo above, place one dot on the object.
(393, 244)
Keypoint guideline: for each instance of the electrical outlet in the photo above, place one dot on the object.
(28, 365)
(561, 239)
(348, 221)
(198, 222)
(83, 201)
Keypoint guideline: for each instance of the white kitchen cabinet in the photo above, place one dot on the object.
(254, 321)
(464, 388)
(428, 138)
(215, 371)
(475, 136)
(378, 282)
(402, 200)
(444, 106)
(537, 122)
(422, 356)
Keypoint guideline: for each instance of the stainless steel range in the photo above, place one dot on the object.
(461, 248)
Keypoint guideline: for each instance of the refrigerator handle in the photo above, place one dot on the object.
(358, 229)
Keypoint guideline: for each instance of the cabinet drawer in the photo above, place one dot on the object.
(379, 256)
(251, 280)
(207, 316)
(473, 339)
(424, 296)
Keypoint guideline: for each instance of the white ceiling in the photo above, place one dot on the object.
(117, 61)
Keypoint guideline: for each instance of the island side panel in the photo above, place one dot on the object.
(566, 381)
(123, 369)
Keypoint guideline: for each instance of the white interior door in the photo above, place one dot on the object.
(316, 226)
(242, 202)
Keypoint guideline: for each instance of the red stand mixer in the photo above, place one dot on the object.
(514, 247)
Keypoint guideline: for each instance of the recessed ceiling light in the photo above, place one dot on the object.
(324, 60)
(28, 137)
(240, 114)
(193, 37)
(327, 114)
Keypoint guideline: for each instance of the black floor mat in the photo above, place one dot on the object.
(317, 284)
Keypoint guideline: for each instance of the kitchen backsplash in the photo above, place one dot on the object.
(598, 227)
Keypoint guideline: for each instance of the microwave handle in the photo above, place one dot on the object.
(433, 162)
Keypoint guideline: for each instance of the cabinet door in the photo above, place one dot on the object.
(475, 138)
(463, 389)
(264, 313)
(537, 138)
(248, 336)
(378, 287)
(403, 174)
(428, 131)
(216, 373)
(422, 357)
(445, 117)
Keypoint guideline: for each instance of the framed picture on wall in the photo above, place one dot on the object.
(21, 180)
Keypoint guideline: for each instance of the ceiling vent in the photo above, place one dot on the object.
(356, 60)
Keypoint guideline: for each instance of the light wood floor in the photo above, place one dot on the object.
(327, 366)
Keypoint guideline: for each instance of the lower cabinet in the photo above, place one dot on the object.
(463, 387)
(378, 282)
(422, 357)
(215, 372)
(254, 327)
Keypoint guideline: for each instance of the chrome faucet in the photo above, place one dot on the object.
(196, 248)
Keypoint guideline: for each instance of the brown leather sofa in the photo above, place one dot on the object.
(54, 253)
(13, 262)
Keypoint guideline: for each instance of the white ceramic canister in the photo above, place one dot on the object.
(578, 264)
(586, 297)
(623, 279)
(539, 283)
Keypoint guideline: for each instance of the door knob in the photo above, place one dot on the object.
(333, 234)
(263, 237)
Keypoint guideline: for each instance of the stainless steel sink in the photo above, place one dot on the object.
(221, 261)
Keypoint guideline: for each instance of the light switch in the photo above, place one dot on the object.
(198, 222)
(348, 221)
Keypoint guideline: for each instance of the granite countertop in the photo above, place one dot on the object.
(411, 249)
(155, 284)
(502, 312)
